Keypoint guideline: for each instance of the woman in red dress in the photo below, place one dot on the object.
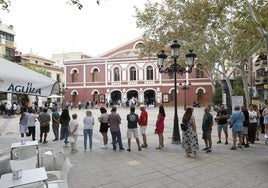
(160, 126)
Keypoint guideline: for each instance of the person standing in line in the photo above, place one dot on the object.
(24, 122)
(207, 129)
(31, 122)
(103, 119)
(222, 117)
(55, 123)
(245, 126)
(236, 119)
(143, 121)
(189, 137)
(44, 119)
(132, 124)
(160, 126)
(253, 124)
(114, 121)
(64, 121)
(73, 131)
(88, 129)
(265, 120)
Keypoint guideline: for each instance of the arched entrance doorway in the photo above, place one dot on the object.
(149, 97)
(131, 96)
(95, 97)
(200, 95)
(74, 97)
(116, 97)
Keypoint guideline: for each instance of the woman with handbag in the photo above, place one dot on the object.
(189, 136)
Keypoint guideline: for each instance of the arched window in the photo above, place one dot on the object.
(95, 75)
(74, 75)
(116, 74)
(149, 73)
(133, 73)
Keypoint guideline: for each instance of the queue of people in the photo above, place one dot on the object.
(245, 125)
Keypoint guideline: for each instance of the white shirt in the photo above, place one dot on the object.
(252, 113)
(88, 122)
(32, 119)
(73, 123)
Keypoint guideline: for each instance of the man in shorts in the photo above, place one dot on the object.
(222, 121)
(132, 124)
(207, 129)
(44, 119)
(143, 121)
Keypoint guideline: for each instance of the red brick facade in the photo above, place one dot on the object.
(120, 75)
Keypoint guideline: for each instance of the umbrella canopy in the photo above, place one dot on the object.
(15, 78)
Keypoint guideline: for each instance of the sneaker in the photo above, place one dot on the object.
(209, 151)
(44, 142)
(243, 143)
(219, 142)
(128, 149)
(233, 148)
(144, 146)
(240, 147)
(139, 148)
(257, 139)
(84, 150)
(226, 142)
(266, 136)
(40, 141)
(104, 147)
(122, 148)
(205, 149)
(246, 145)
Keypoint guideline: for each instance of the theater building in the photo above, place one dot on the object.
(121, 75)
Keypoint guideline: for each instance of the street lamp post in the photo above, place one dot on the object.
(185, 86)
(175, 69)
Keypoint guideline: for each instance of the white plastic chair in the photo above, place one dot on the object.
(24, 152)
(57, 184)
(25, 164)
(56, 149)
(63, 174)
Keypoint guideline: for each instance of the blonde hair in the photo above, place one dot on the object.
(88, 113)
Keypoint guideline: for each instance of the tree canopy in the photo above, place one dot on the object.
(222, 33)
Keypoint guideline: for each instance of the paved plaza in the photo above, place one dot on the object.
(150, 167)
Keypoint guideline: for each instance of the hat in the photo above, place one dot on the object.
(142, 106)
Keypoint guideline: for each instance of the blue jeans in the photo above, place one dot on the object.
(64, 133)
(89, 133)
(116, 137)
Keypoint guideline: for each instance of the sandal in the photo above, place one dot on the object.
(159, 147)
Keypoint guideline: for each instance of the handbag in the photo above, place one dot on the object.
(71, 139)
(184, 126)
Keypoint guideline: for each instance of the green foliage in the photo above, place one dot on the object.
(238, 87)
(217, 95)
(39, 70)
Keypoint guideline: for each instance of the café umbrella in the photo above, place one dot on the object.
(15, 78)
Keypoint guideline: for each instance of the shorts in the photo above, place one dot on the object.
(104, 127)
(44, 129)
(134, 132)
(245, 130)
(23, 129)
(207, 135)
(237, 133)
(143, 129)
(224, 127)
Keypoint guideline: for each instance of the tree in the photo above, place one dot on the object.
(221, 32)
(6, 4)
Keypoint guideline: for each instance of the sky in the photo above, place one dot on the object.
(46, 27)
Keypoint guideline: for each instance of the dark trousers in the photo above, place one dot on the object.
(55, 127)
(252, 132)
(116, 137)
(31, 132)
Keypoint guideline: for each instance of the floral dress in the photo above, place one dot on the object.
(189, 138)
